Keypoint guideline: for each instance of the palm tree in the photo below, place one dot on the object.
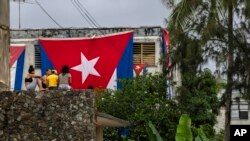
(216, 23)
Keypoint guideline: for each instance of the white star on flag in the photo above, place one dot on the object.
(87, 67)
(137, 67)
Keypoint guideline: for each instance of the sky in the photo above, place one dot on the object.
(107, 13)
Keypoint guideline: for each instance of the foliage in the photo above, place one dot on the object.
(153, 133)
(142, 99)
(221, 28)
(198, 98)
(219, 136)
(200, 134)
(184, 132)
(187, 133)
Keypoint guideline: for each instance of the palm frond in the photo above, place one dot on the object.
(169, 3)
(182, 14)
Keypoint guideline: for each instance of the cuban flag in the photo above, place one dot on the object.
(138, 68)
(168, 61)
(17, 53)
(166, 48)
(98, 62)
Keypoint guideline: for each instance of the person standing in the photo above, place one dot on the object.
(65, 78)
(52, 80)
(31, 80)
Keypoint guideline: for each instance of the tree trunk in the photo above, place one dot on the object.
(229, 87)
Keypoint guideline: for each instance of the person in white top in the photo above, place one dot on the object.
(32, 80)
(65, 78)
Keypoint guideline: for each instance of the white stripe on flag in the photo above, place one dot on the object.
(13, 76)
(113, 81)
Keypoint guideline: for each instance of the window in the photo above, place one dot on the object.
(37, 57)
(243, 112)
(144, 53)
(239, 111)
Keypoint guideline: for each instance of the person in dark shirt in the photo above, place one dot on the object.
(32, 80)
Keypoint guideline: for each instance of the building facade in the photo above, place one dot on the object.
(147, 43)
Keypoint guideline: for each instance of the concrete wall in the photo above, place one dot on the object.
(47, 116)
(82, 32)
(4, 42)
(234, 120)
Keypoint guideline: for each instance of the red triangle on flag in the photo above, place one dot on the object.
(15, 52)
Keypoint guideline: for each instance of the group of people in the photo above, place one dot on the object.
(50, 81)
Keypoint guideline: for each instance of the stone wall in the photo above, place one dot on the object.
(4, 42)
(3, 86)
(47, 116)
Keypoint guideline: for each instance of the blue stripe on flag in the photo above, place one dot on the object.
(45, 61)
(164, 50)
(125, 66)
(19, 72)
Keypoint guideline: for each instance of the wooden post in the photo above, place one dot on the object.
(99, 133)
(4, 45)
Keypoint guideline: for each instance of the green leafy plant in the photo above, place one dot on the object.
(153, 133)
(201, 136)
(184, 132)
(142, 99)
(197, 97)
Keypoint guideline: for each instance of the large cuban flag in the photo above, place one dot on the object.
(17, 53)
(98, 62)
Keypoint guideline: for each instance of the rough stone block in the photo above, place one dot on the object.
(51, 115)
